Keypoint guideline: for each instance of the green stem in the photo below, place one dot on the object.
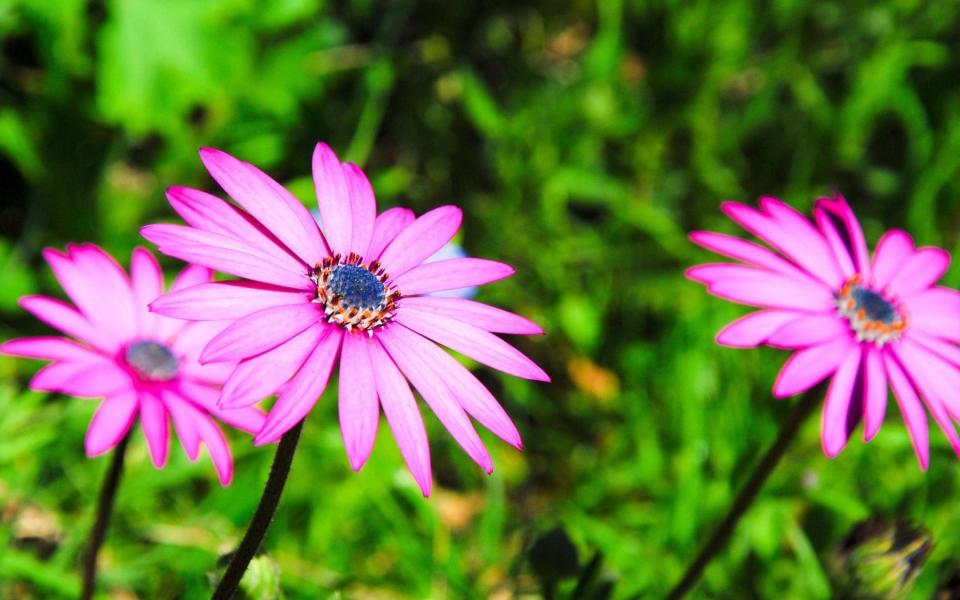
(257, 530)
(108, 492)
(804, 407)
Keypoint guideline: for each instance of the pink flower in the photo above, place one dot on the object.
(356, 294)
(867, 323)
(142, 363)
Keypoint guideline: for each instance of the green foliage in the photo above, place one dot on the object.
(583, 141)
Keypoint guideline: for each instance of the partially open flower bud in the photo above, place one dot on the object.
(880, 560)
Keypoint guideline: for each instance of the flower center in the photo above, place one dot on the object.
(151, 361)
(873, 317)
(353, 294)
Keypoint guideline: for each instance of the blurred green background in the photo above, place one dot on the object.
(583, 141)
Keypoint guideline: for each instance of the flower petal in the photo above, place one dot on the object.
(260, 376)
(437, 395)
(771, 290)
(111, 422)
(269, 203)
(861, 256)
(303, 391)
(482, 346)
(808, 367)
(936, 312)
(809, 330)
(874, 391)
(451, 274)
(480, 315)
(114, 294)
(892, 251)
(261, 331)
(156, 428)
(225, 300)
(920, 271)
(50, 348)
(184, 415)
(402, 414)
(748, 252)
(387, 226)
(836, 410)
(836, 243)
(147, 280)
(87, 379)
(753, 329)
(421, 239)
(363, 208)
(223, 254)
(249, 419)
(357, 404)
(911, 409)
(67, 319)
(216, 444)
(81, 284)
(333, 199)
(208, 213)
(937, 382)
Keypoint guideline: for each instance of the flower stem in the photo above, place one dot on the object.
(108, 492)
(262, 517)
(748, 493)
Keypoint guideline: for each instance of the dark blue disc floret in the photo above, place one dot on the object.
(357, 287)
(355, 295)
(876, 306)
(151, 361)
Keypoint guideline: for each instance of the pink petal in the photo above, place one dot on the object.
(451, 274)
(184, 415)
(480, 315)
(50, 348)
(303, 391)
(810, 330)
(748, 252)
(82, 286)
(269, 203)
(261, 331)
(874, 391)
(224, 254)
(920, 271)
(211, 214)
(753, 329)
(65, 318)
(403, 416)
(479, 345)
(357, 404)
(223, 300)
(936, 381)
(913, 414)
(945, 350)
(387, 226)
(797, 239)
(936, 312)
(892, 251)
(836, 243)
(153, 420)
(363, 207)
(216, 444)
(88, 379)
(437, 395)
(808, 367)
(249, 419)
(115, 298)
(839, 207)
(834, 431)
(469, 392)
(111, 422)
(190, 276)
(333, 199)
(147, 279)
(772, 291)
(421, 239)
(262, 375)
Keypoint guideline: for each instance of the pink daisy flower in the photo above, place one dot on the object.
(356, 294)
(142, 363)
(867, 323)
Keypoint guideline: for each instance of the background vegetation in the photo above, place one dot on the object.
(583, 141)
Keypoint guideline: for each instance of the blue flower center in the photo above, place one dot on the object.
(353, 294)
(151, 361)
(873, 317)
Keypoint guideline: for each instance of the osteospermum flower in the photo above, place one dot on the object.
(868, 323)
(356, 293)
(142, 363)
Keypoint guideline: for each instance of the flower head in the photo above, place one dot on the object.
(355, 293)
(868, 322)
(140, 362)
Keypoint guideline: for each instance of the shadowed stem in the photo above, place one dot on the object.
(748, 493)
(108, 492)
(262, 517)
